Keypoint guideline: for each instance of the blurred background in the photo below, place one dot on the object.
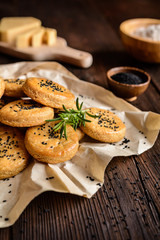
(84, 23)
(88, 25)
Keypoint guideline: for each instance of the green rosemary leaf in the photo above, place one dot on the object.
(54, 119)
(86, 120)
(77, 103)
(81, 106)
(72, 117)
(57, 126)
(81, 118)
(91, 115)
(65, 133)
(65, 109)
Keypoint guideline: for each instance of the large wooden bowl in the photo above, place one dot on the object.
(141, 48)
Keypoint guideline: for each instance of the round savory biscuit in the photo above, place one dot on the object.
(25, 113)
(59, 110)
(13, 87)
(45, 145)
(2, 104)
(48, 93)
(2, 87)
(80, 134)
(13, 154)
(107, 127)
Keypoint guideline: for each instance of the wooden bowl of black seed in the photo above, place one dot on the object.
(128, 82)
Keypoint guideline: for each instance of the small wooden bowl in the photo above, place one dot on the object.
(141, 48)
(128, 91)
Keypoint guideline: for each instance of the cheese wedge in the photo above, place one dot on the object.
(24, 40)
(37, 38)
(50, 36)
(10, 27)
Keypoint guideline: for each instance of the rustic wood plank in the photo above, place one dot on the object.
(5, 234)
(137, 191)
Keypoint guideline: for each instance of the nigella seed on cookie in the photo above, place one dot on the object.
(48, 93)
(106, 128)
(51, 148)
(13, 87)
(25, 113)
(2, 87)
(13, 154)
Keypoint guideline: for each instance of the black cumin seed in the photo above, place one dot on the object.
(90, 178)
(98, 184)
(48, 178)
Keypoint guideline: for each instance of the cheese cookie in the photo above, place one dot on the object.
(25, 113)
(2, 104)
(45, 145)
(48, 93)
(2, 87)
(59, 110)
(107, 127)
(13, 87)
(80, 134)
(13, 155)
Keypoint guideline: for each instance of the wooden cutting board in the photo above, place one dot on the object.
(60, 51)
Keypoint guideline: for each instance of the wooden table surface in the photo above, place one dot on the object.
(127, 206)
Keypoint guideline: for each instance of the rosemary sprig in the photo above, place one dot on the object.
(75, 118)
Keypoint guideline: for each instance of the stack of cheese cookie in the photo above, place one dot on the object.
(40, 141)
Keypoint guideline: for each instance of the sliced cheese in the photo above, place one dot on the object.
(37, 38)
(50, 36)
(24, 40)
(10, 27)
